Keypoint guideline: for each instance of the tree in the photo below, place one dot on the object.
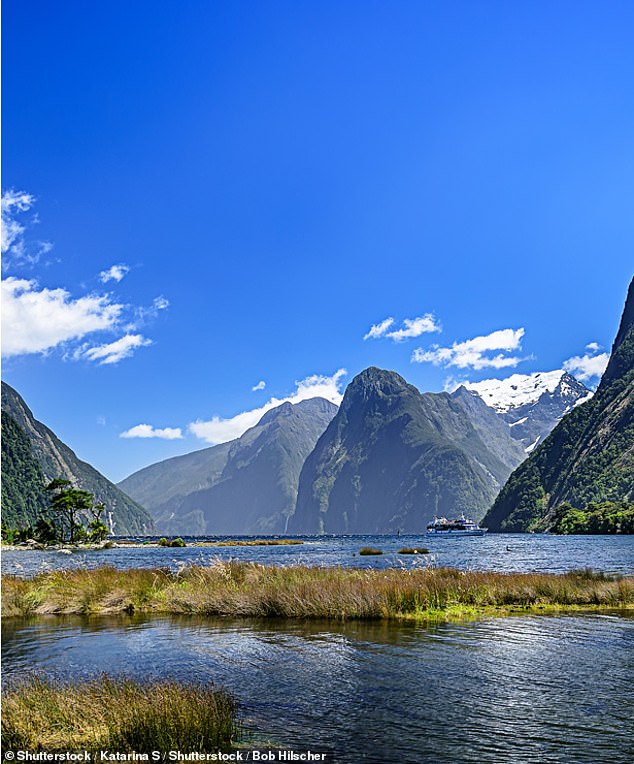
(97, 529)
(68, 504)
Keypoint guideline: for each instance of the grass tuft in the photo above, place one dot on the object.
(414, 550)
(117, 714)
(370, 550)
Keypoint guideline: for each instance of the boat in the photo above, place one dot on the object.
(461, 526)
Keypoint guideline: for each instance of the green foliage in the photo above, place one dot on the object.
(45, 531)
(97, 531)
(67, 518)
(23, 495)
(67, 504)
(171, 542)
(603, 517)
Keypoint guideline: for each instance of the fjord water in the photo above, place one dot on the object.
(500, 552)
(519, 690)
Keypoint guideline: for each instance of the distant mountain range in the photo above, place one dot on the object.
(588, 457)
(390, 459)
(243, 487)
(32, 456)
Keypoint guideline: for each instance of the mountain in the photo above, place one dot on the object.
(532, 404)
(32, 455)
(246, 486)
(492, 428)
(163, 486)
(588, 457)
(392, 458)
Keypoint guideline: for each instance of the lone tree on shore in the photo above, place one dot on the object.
(68, 504)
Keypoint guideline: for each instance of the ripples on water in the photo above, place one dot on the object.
(515, 690)
(529, 690)
(503, 552)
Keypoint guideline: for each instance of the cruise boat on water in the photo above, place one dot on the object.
(462, 526)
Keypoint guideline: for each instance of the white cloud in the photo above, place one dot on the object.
(412, 327)
(38, 319)
(14, 248)
(260, 386)
(13, 202)
(160, 303)
(588, 366)
(219, 430)
(451, 384)
(147, 431)
(114, 273)
(378, 330)
(35, 320)
(116, 351)
(475, 353)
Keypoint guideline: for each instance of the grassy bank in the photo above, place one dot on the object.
(120, 715)
(248, 589)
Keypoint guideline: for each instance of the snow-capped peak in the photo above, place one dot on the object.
(502, 395)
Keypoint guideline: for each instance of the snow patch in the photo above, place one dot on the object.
(519, 421)
(530, 448)
(518, 389)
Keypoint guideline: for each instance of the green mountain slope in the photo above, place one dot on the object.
(23, 499)
(55, 459)
(392, 458)
(588, 457)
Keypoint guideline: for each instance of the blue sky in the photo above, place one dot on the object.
(202, 196)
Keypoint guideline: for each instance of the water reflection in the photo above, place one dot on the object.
(526, 689)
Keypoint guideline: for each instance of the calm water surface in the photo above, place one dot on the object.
(504, 552)
(500, 691)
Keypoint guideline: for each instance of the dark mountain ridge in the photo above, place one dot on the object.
(392, 458)
(41, 450)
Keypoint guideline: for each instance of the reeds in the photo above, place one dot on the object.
(116, 714)
(248, 589)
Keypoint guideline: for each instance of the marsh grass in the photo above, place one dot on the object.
(117, 714)
(414, 550)
(368, 550)
(248, 589)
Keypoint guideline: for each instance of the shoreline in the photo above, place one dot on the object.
(37, 547)
(244, 589)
